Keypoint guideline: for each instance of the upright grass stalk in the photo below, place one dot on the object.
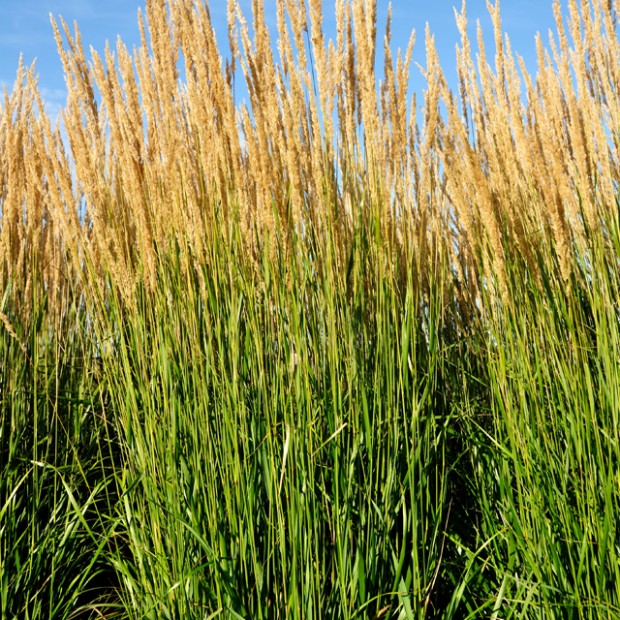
(55, 454)
(307, 357)
(545, 469)
(282, 459)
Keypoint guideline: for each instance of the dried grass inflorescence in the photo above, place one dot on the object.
(154, 148)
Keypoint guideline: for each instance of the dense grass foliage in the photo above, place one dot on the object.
(310, 358)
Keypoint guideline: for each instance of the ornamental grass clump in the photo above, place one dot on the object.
(329, 353)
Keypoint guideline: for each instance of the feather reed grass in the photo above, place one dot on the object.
(308, 356)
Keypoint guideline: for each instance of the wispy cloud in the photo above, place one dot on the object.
(54, 99)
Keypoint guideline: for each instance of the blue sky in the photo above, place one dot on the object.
(25, 28)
